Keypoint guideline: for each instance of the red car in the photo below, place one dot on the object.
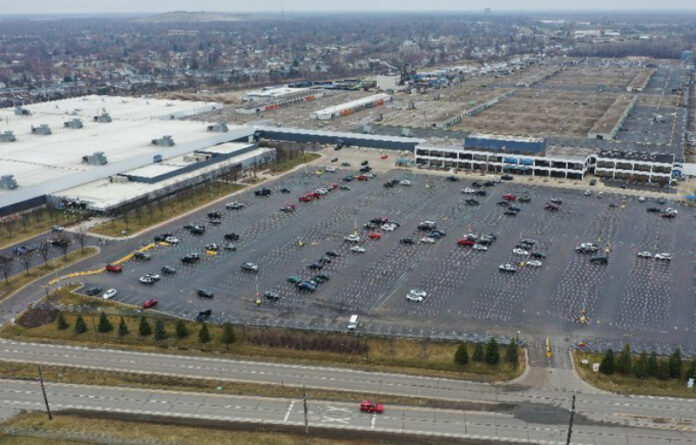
(550, 206)
(362, 178)
(307, 197)
(373, 235)
(371, 407)
(510, 197)
(149, 304)
(383, 157)
(114, 268)
(465, 242)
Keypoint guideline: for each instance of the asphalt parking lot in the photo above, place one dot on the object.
(644, 301)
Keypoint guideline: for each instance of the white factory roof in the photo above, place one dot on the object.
(272, 92)
(46, 164)
(103, 195)
(334, 110)
(502, 137)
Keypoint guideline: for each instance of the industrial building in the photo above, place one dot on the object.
(351, 107)
(137, 132)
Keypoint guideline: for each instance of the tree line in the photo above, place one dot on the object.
(646, 364)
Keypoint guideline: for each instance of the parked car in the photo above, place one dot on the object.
(507, 178)
(231, 236)
(374, 235)
(416, 295)
(586, 248)
(315, 266)
(332, 253)
(229, 246)
(250, 267)
(149, 304)
(146, 280)
(205, 293)
(538, 255)
(352, 238)
(599, 260)
(270, 295)
(507, 267)
(234, 205)
(191, 258)
(534, 263)
(406, 241)
(204, 315)
(521, 252)
(293, 279)
(452, 179)
(114, 268)
(466, 242)
(171, 240)
(263, 192)
(94, 291)
(644, 254)
(664, 256)
(142, 256)
(109, 294)
(168, 270)
(479, 247)
(551, 206)
(357, 249)
(427, 240)
(510, 197)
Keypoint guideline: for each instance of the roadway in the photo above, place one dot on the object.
(481, 425)
(534, 403)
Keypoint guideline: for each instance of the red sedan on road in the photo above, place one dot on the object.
(510, 197)
(149, 304)
(371, 407)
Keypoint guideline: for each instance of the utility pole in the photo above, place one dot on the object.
(306, 420)
(572, 415)
(43, 391)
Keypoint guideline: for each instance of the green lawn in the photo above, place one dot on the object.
(289, 164)
(170, 208)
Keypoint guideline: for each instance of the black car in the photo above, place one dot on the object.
(503, 203)
(204, 315)
(214, 214)
(593, 181)
(480, 193)
(191, 258)
(332, 253)
(510, 213)
(514, 208)
(263, 192)
(406, 241)
(507, 177)
(348, 178)
(168, 270)
(215, 221)
(437, 234)
(366, 169)
(92, 291)
(315, 266)
(270, 295)
(364, 163)
(285, 190)
(599, 260)
(472, 202)
(198, 229)
(538, 255)
(388, 185)
(142, 256)
(654, 210)
(231, 236)
(488, 184)
(324, 260)
(205, 293)
(318, 279)
(453, 179)
(334, 160)
(476, 184)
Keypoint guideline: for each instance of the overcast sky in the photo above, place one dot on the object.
(99, 6)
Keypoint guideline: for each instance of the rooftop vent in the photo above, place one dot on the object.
(73, 123)
(103, 118)
(220, 127)
(96, 158)
(7, 136)
(42, 129)
(7, 182)
(21, 111)
(164, 141)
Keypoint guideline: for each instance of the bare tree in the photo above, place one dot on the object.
(6, 266)
(26, 260)
(44, 249)
(80, 236)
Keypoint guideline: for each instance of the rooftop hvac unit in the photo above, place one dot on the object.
(7, 136)
(21, 111)
(42, 129)
(164, 141)
(220, 127)
(74, 123)
(96, 158)
(367, 129)
(7, 182)
(119, 179)
(406, 132)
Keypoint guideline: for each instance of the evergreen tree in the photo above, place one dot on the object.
(608, 363)
(652, 364)
(675, 364)
(203, 334)
(181, 331)
(62, 324)
(623, 360)
(228, 336)
(122, 328)
(160, 333)
(640, 369)
(478, 353)
(461, 357)
(512, 353)
(104, 323)
(492, 353)
(691, 370)
(80, 325)
(144, 327)
(662, 369)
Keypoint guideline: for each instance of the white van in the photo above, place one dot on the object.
(353, 322)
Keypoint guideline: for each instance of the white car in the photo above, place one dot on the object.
(171, 240)
(664, 256)
(480, 247)
(671, 211)
(154, 276)
(641, 198)
(389, 227)
(534, 263)
(588, 193)
(357, 249)
(518, 251)
(600, 195)
(507, 267)
(427, 240)
(645, 254)
(322, 191)
(405, 182)
(352, 238)
(416, 295)
(109, 294)
(369, 175)
(330, 169)
(146, 280)
(468, 191)
(234, 205)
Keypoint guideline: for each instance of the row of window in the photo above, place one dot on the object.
(508, 161)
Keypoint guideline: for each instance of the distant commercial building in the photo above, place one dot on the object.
(351, 107)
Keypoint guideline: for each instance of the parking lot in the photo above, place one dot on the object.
(644, 301)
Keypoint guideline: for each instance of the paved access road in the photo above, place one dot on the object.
(531, 403)
(448, 423)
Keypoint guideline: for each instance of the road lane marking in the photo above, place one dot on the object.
(374, 419)
(287, 414)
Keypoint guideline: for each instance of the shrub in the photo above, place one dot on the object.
(675, 364)
(623, 360)
(640, 369)
(181, 330)
(652, 364)
(160, 333)
(478, 353)
(228, 336)
(80, 325)
(512, 354)
(122, 328)
(461, 357)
